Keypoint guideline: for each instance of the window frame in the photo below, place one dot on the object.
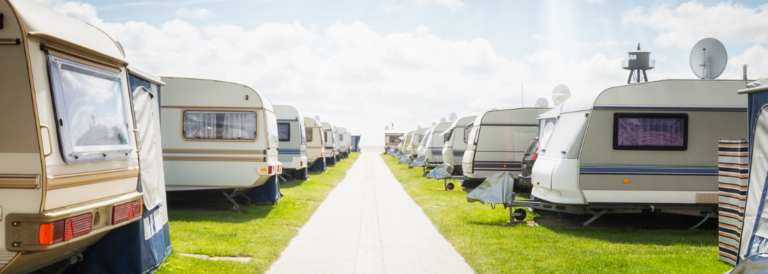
(254, 110)
(618, 115)
(69, 153)
(278, 132)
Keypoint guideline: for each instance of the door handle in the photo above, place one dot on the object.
(138, 140)
(49, 140)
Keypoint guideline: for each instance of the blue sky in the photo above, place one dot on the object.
(411, 62)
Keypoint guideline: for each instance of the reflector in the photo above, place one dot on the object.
(46, 234)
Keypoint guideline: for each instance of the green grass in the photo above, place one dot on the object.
(260, 232)
(480, 234)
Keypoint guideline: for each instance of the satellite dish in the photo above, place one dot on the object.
(452, 117)
(317, 118)
(560, 94)
(708, 58)
(494, 109)
(418, 127)
(433, 124)
(442, 120)
(386, 128)
(542, 103)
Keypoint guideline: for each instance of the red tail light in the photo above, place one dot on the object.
(269, 170)
(535, 155)
(67, 229)
(127, 211)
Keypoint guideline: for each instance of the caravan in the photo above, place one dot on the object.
(315, 141)
(217, 135)
(642, 146)
(343, 142)
(292, 150)
(406, 143)
(416, 138)
(331, 143)
(392, 139)
(65, 157)
(497, 140)
(433, 147)
(458, 135)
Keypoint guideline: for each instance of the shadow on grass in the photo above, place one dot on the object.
(211, 205)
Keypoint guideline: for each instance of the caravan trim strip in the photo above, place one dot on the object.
(19, 181)
(81, 179)
(213, 159)
(215, 151)
(673, 108)
(703, 170)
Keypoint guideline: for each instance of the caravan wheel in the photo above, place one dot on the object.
(520, 214)
(450, 186)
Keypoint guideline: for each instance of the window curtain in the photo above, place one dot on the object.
(199, 125)
(239, 125)
(651, 132)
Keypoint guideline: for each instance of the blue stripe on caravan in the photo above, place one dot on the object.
(672, 108)
(289, 151)
(286, 120)
(708, 170)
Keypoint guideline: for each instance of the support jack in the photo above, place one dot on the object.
(595, 217)
(231, 196)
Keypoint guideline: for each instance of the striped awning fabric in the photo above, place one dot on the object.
(733, 177)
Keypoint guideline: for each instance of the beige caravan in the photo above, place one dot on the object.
(315, 140)
(217, 135)
(68, 155)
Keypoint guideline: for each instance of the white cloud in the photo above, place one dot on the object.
(685, 24)
(451, 4)
(756, 57)
(352, 75)
(537, 37)
(198, 13)
(390, 6)
(594, 1)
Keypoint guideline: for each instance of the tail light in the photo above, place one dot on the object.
(301, 163)
(535, 155)
(269, 169)
(65, 230)
(127, 211)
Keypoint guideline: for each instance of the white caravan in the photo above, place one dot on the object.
(315, 140)
(392, 138)
(642, 146)
(416, 138)
(458, 136)
(407, 141)
(292, 150)
(421, 150)
(434, 144)
(497, 141)
(69, 164)
(217, 135)
(331, 143)
(343, 142)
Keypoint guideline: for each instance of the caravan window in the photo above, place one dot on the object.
(284, 131)
(473, 134)
(341, 137)
(650, 131)
(393, 139)
(546, 127)
(447, 137)
(466, 134)
(91, 114)
(272, 131)
(303, 131)
(308, 133)
(227, 125)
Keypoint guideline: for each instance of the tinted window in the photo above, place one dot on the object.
(466, 134)
(650, 131)
(308, 133)
(284, 131)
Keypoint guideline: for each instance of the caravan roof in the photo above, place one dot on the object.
(286, 112)
(48, 24)
(656, 95)
(199, 94)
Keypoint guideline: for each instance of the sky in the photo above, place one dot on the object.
(366, 65)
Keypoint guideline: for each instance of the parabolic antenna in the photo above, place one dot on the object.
(452, 117)
(442, 120)
(542, 103)
(317, 117)
(708, 58)
(433, 124)
(386, 128)
(418, 127)
(560, 94)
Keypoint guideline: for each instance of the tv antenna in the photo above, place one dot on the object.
(637, 62)
(708, 58)
(317, 117)
(452, 117)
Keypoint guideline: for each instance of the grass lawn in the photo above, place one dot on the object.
(480, 234)
(260, 232)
